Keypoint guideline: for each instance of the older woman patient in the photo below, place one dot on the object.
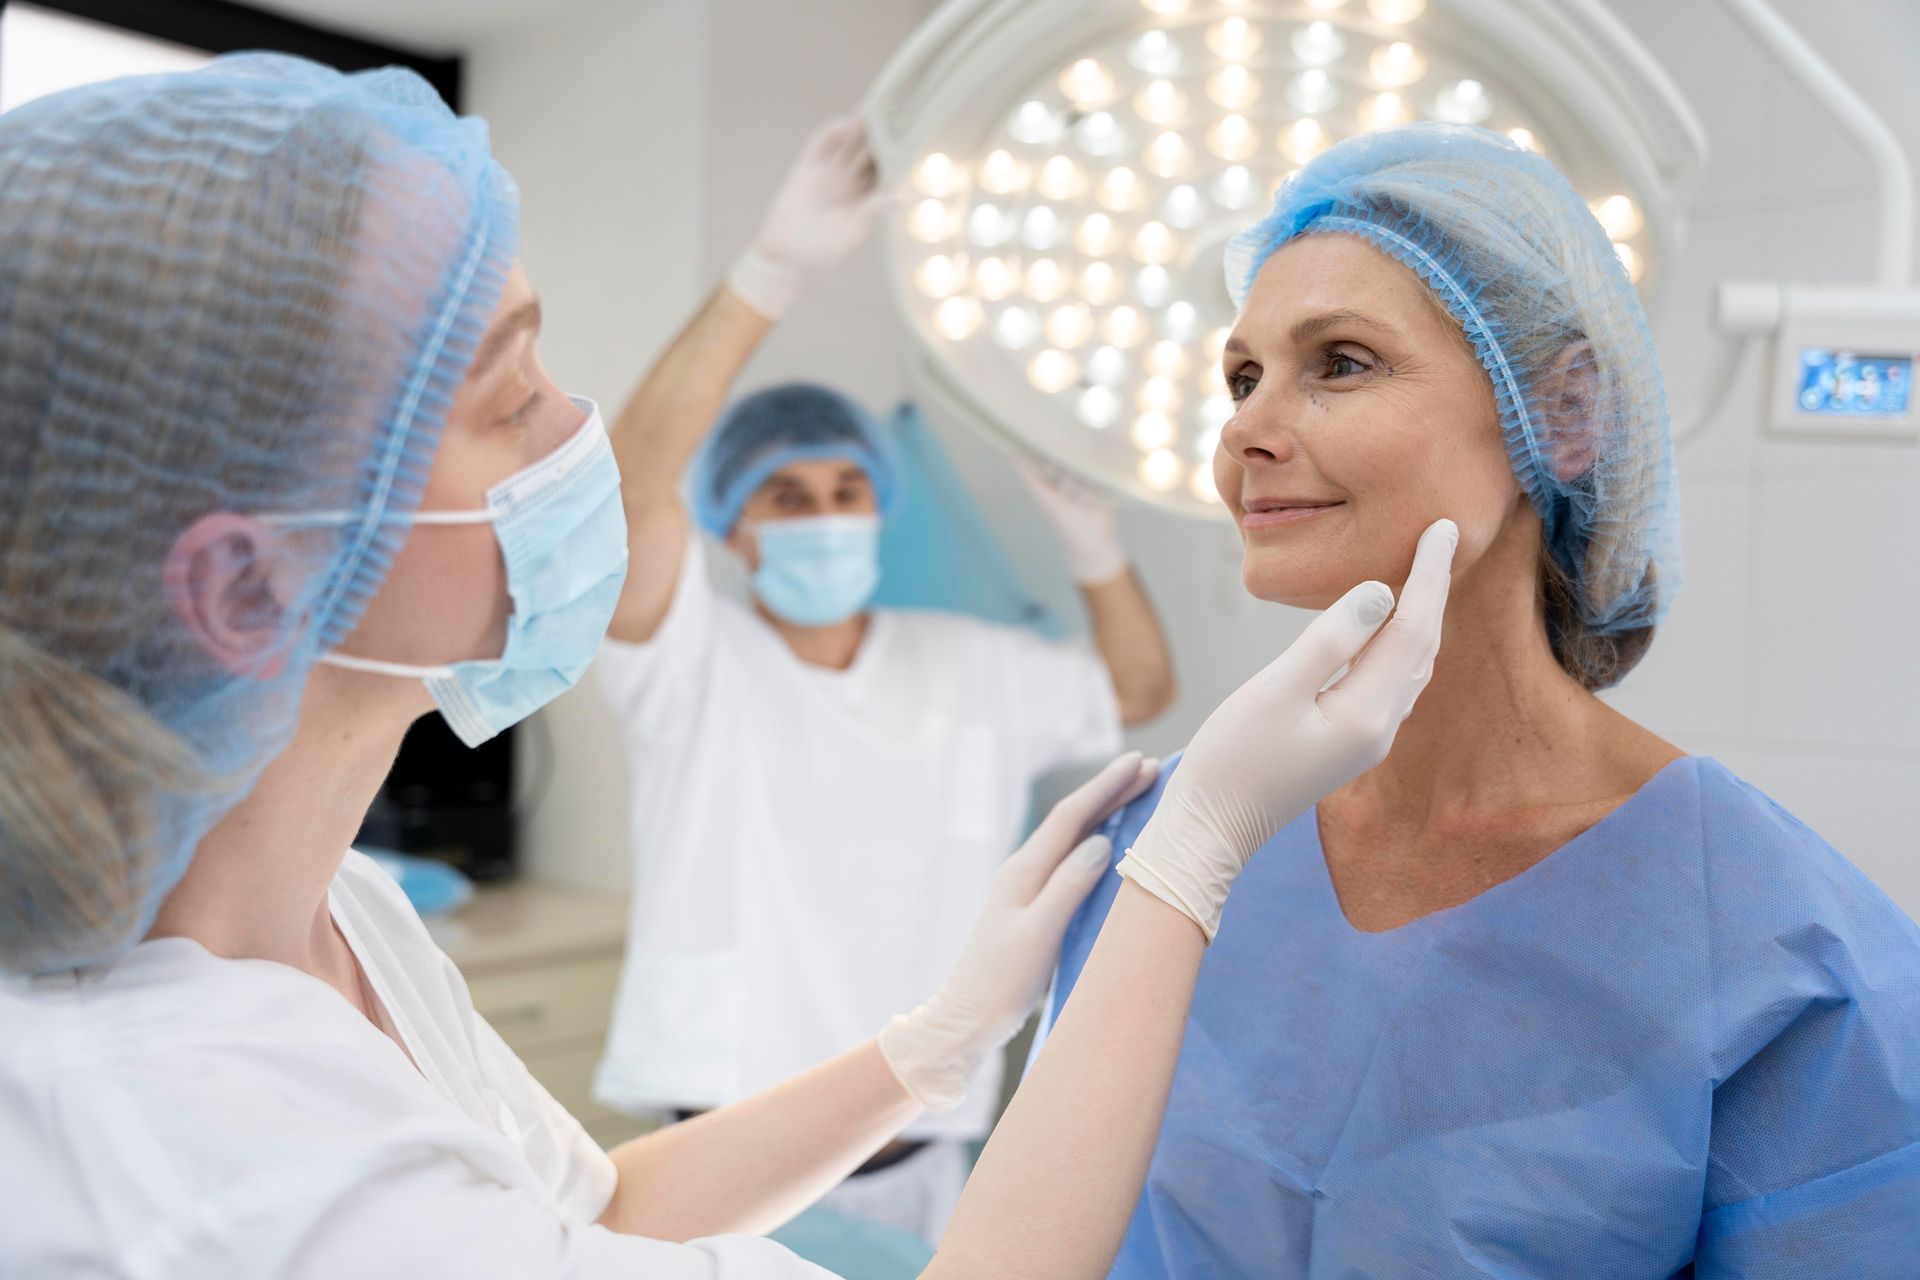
(1541, 995)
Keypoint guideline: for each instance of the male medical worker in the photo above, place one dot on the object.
(821, 791)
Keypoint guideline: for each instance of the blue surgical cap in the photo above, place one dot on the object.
(225, 295)
(763, 432)
(1519, 261)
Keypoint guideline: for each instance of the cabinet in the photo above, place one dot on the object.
(542, 962)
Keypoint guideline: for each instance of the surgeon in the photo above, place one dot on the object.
(284, 474)
(892, 749)
(1542, 995)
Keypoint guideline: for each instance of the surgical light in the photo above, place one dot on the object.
(1074, 168)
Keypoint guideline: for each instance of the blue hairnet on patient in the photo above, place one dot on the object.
(1516, 257)
(227, 294)
(763, 432)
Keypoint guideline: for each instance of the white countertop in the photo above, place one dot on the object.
(528, 922)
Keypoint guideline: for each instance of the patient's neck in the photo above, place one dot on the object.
(1502, 726)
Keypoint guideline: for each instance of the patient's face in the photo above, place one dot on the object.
(1362, 417)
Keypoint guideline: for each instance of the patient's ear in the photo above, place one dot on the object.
(219, 579)
(1567, 398)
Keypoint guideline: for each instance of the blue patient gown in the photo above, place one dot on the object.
(1689, 1038)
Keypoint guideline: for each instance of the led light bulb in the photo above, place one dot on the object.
(1158, 395)
(1016, 327)
(1121, 190)
(1046, 280)
(1312, 92)
(1215, 346)
(1088, 84)
(1036, 124)
(1396, 12)
(1232, 138)
(1619, 216)
(1318, 43)
(1233, 87)
(1234, 38)
(1167, 359)
(941, 274)
(1167, 8)
(1160, 102)
(990, 226)
(1099, 283)
(957, 318)
(1302, 140)
(1070, 325)
(1155, 52)
(1161, 470)
(1200, 484)
(1099, 407)
(1397, 65)
(1207, 441)
(996, 278)
(1384, 111)
(1635, 265)
(1183, 208)
(1099, 134)
(1123, 327)
(1179, 322)
(1325, 6)
(1213, 379)
(1166, 156)
(1155, 244)
(1043, 227)
(1463, 102)
(1234, 188)
(1061, 179)
(1153, 286)
(1108, 366)
(930, 221)
(938, 175)
(1052, 371)
(1096, 236)
(1524, 139)
(1153, 430)
(1002, 174)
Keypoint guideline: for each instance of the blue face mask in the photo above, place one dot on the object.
(818, 570)
(563, 534)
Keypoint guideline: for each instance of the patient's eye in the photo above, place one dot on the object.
(1242, 381)
(1338, 363)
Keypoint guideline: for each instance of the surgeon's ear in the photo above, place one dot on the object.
(1567, 397)
(219, 579)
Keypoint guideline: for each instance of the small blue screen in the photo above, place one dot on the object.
(1847, 384)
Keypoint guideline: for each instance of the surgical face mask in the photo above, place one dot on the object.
(563, 535)
(817, 570)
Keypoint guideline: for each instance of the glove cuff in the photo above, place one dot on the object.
(1160, 887)
(1094, 562)
(768, 286)
(928, 1065)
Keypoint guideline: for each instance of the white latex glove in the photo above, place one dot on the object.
(1009, 958)
(1088, 528)
(1282, 740)
(825, 207)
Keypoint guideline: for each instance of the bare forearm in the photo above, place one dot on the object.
(1128, 635)
(662, 423)
(1054, 1189)
(751, 1166)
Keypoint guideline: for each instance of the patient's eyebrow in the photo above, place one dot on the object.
(1313, 326)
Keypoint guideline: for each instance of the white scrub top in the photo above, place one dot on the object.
(811, 846)
(175, 1114)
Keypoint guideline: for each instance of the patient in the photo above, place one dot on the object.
(1543, 995)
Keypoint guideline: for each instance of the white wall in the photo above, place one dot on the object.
(1789, 655)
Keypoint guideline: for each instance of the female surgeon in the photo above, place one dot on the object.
(284, 473)
(1541, 995)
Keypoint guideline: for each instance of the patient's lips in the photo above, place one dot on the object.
(1271, 510)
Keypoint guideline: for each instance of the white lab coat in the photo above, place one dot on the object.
(812, 846)
(175, 1114)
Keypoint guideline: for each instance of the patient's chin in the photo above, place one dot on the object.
(1289, 582)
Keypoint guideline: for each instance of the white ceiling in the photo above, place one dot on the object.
(428, 26)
